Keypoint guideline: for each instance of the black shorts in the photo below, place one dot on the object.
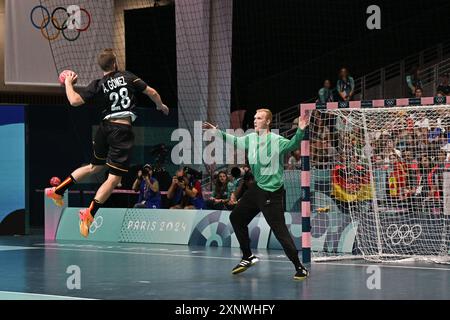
(112, 146)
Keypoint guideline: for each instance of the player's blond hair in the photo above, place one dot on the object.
(268, 114)
(106, 59)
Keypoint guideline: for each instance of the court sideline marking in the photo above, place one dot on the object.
(5, 294)
(232, 258)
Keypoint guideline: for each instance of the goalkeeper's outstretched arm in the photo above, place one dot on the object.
(240, 142)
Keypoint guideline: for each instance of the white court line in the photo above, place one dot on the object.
(143, 253)
(42, 295)
(231, 258)
(98, 247)
(381, 266)
(10, 248)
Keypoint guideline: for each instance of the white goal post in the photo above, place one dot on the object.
(380, 183)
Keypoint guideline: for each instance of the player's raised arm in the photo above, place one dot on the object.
(287, 145)
(74, 98)
(156, 98)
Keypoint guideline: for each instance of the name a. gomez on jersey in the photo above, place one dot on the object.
(114, 83)
(117, 94)
(120, 98)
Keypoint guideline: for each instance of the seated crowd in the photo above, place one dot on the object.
(344, 90)
(185, 190)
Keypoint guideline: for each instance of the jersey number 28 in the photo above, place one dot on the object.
(122, 96)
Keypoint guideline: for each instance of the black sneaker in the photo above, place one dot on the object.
(245, 264)
(301, 273)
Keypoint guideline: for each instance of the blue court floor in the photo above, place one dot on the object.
(33, 269)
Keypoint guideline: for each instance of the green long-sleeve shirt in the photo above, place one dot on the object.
(265, 155)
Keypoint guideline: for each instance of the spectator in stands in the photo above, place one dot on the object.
(221, 194)
(436, 178)
(345, 85)
(437, 139)
(414, 81)
(148, 187)
(422, 121)
(326, 93)
(390, 153)
(294, 161)
(418, 93)
(350, 180)
(345, 144)
(324, 154)
(236, 173)
(331, 154)
(210, 172)
(425, 170)
(422, 142)
(446, 145)
(401, 141)
(410, 144)
(378, 161)
(444, 86)
(236, 176)
(321, 124)
(245, 183)
(413, 179)
(397, 178)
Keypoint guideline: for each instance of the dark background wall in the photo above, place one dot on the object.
(150, 47)
(59, 140)
(283, 50)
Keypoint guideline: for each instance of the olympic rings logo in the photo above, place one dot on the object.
(405, 234)
(96, 224)
(72, 16)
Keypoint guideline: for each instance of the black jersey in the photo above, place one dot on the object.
(115, 93)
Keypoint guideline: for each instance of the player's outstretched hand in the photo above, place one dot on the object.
(163, 108)
(206, 125)
(71, 78)
(303, 122)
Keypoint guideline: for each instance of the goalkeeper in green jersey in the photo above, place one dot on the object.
(265, 151)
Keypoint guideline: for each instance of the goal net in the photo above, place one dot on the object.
(380, 183)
